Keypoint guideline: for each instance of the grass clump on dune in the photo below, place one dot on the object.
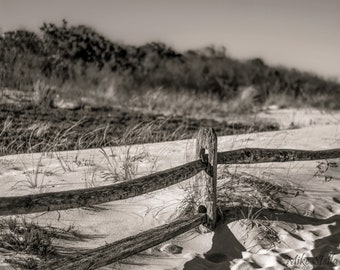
(25, 243)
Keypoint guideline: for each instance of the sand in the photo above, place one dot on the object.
(307, 236)
(297, 118)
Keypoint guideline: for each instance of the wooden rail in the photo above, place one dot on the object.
(111, 253)
(91, 196)
(51, 201)
(263, 155)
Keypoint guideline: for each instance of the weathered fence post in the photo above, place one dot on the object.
(206, 181)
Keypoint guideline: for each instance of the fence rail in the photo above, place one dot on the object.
(63, 200)
(206, 142)
(263, 155)
(126, 247)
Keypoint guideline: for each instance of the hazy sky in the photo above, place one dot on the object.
(297, 33)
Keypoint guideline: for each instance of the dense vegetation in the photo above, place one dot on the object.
(78, 58)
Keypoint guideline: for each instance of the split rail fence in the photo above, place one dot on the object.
(205, 171)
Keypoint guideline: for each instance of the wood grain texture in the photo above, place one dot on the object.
(263, 155)
(91, 196)
(126, 247)
(206, 181)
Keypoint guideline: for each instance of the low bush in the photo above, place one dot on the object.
(78, 61)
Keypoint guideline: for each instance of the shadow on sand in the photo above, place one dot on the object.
(226, 247)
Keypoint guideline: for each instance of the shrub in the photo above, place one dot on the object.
(81, 59)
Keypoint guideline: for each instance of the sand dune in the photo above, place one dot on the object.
(305, 237)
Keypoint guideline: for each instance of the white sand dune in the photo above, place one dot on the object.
(290, 117)
(306, 237)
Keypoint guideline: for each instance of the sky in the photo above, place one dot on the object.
(303, 34)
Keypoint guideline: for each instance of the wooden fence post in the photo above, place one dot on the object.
(206, 181)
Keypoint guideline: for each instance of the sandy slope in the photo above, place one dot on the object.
(291, 117)
(310, 233)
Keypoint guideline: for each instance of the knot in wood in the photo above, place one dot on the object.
(247, 153)
(202, 209)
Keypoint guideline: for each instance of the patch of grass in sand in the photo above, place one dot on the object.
(121, 167)
(34, 178)
(30, 128)
(249, 196)
(25, 244)
(242, 189)
(123, 162)
(265, 230)
(39, 138)
(24, 236)
(188, 206)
